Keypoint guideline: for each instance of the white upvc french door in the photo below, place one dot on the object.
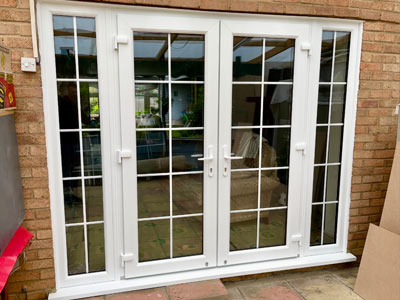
(262, 134)
(169, 160)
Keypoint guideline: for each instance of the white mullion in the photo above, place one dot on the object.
(327, 164)
(262, 169)
(168, 217)
(81, 144)
(263, 82)
(77, 79)
(258, 209)
(166, 174)
(335, 83)
(328, 137)
(328, 202)
(170, 146)
(260, 145)
(82, 223)
(84, 177)
(329, 124)
(260, 126)
(167, 129)
(166, 81)
(77, 130)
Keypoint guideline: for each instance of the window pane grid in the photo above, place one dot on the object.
(319, 238)
(253, 217)
(174, 133)
(75, 201)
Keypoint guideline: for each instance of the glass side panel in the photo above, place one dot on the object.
(80, 142)
(335, 49)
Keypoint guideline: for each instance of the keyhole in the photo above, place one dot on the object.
(226, 169)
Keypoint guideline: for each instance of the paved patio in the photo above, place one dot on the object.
(326, 284)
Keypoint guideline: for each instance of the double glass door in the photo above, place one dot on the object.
(211, 112)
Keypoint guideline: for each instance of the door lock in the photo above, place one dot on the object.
(228, 158)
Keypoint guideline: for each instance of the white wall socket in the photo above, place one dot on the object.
(28, 64)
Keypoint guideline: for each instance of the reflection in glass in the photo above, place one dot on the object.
(247, 58)
(94, 199)
(187, 105)
(67, 105)
(152, 152)
(320, 144)
(338, 102)
(96, 254)
(316, 225)
(187, 236)
(318, 185)
(187, 194)
(244, 190)
(151, 56)
(275, 147)
(335, 144)
(274, 188)
(277, 104)
(90, 112)
(330, 226)
(153, 196)
(272, 228)
(75, 250)
(87, 52)
(187, 147)
(70, 154)
(341, 56)
(245, 143)
(243, 231)
(246, 104)
(73, 201)
(323, 104)
(153, 240)
(151, 104)
(91, 153)
(332, 183)
(325, 72)
(187, 57)
(64, 46)
(279, 59)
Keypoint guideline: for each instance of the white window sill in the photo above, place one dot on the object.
(120, 286)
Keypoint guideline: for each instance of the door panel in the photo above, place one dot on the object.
(263, 93)
(168, 124)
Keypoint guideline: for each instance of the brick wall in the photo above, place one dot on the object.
(375, 131)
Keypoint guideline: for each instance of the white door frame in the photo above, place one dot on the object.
(263, 28)
(127, 23)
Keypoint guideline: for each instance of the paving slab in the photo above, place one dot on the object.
(325, 287)
(234, 293)
(148, 294)
(276, 292)
(210, 290)
(347, 276)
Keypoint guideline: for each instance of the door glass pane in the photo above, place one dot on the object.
(330, 223)
(188, 236)
(67, 105)
(273, 228)
(169, 143)
(150, 56)
(260, 110)
(187, 105)
(87, 51)
(90, 111)
(91, 153)
(70, 154)
(187, 57)
(75, 250)
(243, 233)
(187, 194)
(151, 105)
(279, 59)
(96, 255)
(316, 225)
(63, 29)
(73, 204)
(338, 102)
(325, 74)
(342, 52)
(154, 240)
(247, 58)
(153, 196)
(323, 104)
(94, 199)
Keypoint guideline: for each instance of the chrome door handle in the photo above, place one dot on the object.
(209, 158)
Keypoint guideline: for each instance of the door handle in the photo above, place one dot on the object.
(208, 158)
(228, 158)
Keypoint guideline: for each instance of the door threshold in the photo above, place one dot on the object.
(97, 289)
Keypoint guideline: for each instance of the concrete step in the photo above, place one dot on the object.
(202, 290)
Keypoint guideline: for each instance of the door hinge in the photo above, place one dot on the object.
(125, 257)
(297, 238)
(123, 154)
(120, 39)
(306, 46)
(301, 147)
